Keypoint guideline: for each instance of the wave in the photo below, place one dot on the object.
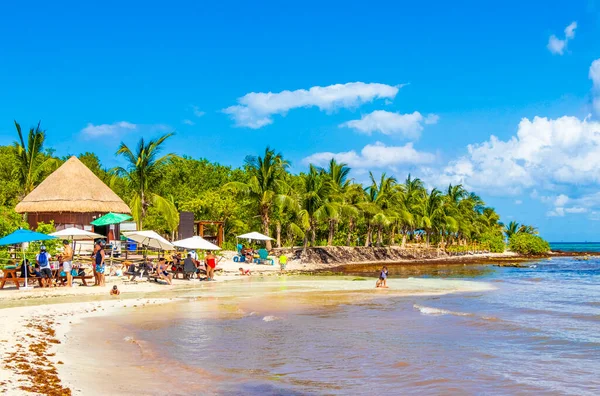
(270, 318)
(438, 311)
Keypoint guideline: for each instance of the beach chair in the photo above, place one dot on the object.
(239, 258)
(263, 257)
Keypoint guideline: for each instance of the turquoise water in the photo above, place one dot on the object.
(576, 246)
(537, 332)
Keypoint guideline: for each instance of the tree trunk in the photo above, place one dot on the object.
(265, 224)
(369, 232)
(278, 230)
(350, 230)
(403, 239)
(313, 232)
(393, 236)
(427, 239)
(379, 235)
(331, 231)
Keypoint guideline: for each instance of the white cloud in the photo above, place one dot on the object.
(188, 122)
(570, 30)
(376, 155)
(106, 130)
(544, 153)
(561, 200)
(389, 123)
(255, 110)
(576, 209)
(518, 202)
(197, 112)
(557, 46)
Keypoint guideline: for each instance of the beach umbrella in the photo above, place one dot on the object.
(111, 218)
(255, 236)
(150, 239)
(196, 242)
(22, 236)
(76, 234)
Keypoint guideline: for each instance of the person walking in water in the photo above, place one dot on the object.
(382, 281)
(99, 263)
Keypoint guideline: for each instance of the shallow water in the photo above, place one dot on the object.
(537, 331)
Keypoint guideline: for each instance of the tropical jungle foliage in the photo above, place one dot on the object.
(322, 206)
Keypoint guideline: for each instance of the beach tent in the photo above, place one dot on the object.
(111, 218)
(255, 236)
(196, 242)
(22, 236)
(150, 239)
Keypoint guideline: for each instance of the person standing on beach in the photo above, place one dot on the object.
(211, 263)
(43, 260)
(99, 263)
(67, 257)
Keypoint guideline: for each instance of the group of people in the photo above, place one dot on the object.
(192, 266)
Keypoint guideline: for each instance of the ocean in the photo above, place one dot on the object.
(576, 246)
(532, 330)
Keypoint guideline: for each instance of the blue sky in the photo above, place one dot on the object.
(396, 88)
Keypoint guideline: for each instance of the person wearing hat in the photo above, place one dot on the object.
(67, 257)
(43, 260)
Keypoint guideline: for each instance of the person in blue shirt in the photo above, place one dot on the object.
(43, 260)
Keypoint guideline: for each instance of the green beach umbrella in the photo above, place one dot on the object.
(111, 218)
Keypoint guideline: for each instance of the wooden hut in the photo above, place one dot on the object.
(72, 196)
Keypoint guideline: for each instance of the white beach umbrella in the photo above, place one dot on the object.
(76, 234)
(196, 242)
(149, 238)
(255, 236)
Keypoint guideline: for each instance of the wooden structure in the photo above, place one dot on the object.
(216, 239)
(72, 196)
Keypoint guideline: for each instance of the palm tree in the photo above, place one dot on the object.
(431, 212)
(143, 174)
(527, 229)
(266, 185)
(315, 201)
(511, 229)
(376, 208)
(32, 162)
(337, 177)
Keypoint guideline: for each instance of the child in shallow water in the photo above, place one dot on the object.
(382, 281)
(115, 291)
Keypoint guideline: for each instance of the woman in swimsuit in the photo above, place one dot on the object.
(211, 263)
(99, 261)
(162, 271)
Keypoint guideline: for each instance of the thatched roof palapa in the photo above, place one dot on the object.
(72, 188)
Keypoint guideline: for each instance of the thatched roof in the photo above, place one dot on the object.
(72, 188)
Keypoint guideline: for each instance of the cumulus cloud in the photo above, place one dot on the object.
(389, 123)
(256, 109)
(106, 130)
(545, 152)
(374, 156)
(557, 46)
(188, 122)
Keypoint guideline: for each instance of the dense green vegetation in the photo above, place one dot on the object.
(525, 243)
(321, 206)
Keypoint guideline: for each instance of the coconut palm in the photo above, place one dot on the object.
(32, 163)
(380, 198)
(265, 186)
(316, 204)
(337, 177)
(511, 229)
(431, 211)
(143, 174)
